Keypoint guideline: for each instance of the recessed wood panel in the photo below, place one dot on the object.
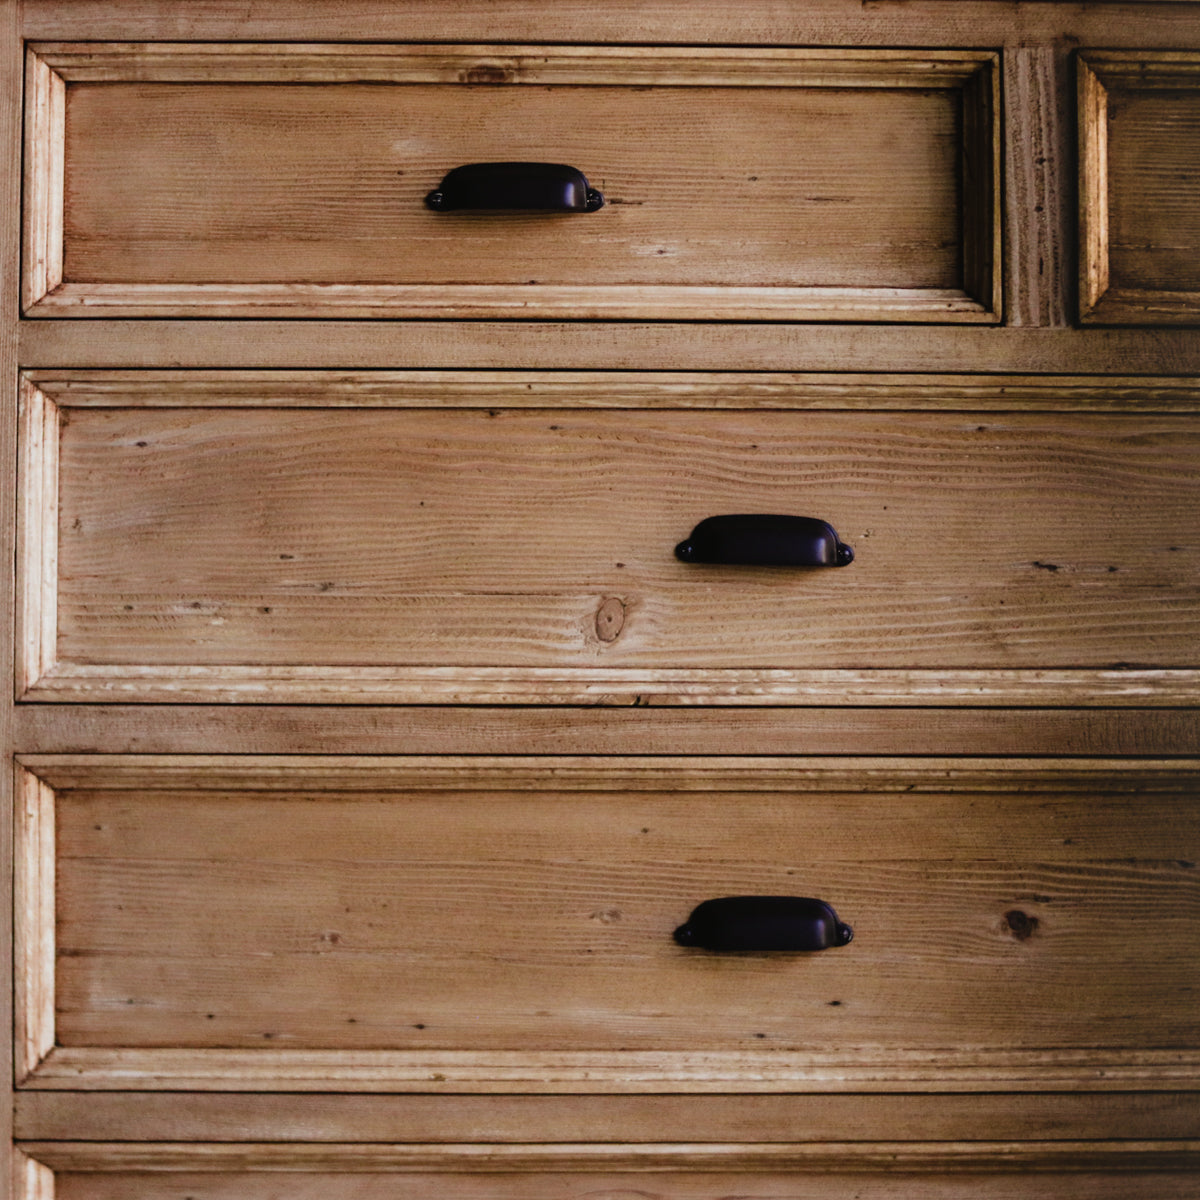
(1139, 125)
(290, 180)
(432, 536)
(508, 922)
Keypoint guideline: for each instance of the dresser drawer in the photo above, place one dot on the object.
(1139, 155)
(512, 536)
(256, 180)
(516, 924)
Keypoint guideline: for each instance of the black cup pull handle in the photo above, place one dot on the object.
(732, 924)
(541, 187)
(764, 540)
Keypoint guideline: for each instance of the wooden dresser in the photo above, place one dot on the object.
(386, 703)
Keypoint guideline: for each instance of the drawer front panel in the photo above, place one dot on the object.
(1139, 123)
(402, 921)
(276, 180)
(339, 538)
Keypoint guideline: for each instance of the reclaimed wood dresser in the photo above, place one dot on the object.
(386, 702)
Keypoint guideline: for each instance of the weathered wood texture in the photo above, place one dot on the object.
(994, 1170)
(248, 548)
(1139, 187)
(776, 184)
(979, 23)
(633, 1119)
(607, 345)
(600, 729)
(437, 908)
(11, 1169)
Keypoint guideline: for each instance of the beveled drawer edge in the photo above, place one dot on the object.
(945, 1070)
(1063, 688)
(918, 1157)
(51, 66)
(42, 1064)
(1100, 303)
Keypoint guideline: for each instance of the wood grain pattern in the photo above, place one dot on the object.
(1040, 229)
(605, 345)
(763, 1119)
(681, 1171)
(776, 204)
(445, 583)
(551, 887)
(640, 729)
(1139, 162)
(980, 23)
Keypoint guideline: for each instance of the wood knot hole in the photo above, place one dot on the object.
(610, 619)
(1020, 924)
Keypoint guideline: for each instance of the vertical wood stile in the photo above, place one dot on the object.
(1039, 220)
(1093, 189)
(32, 1180)
(982, 234)
(37, 536)
(45, 129)
(33, 923)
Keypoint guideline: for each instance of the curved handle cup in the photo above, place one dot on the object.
(735, 924)
(764, 540)
(540, 187)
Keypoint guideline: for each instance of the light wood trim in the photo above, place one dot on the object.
(917, 1157)
(974, 72)
(34, 917)
(31, 1178)
(1097, 72)
(533, 65)
(609, 389)
(45, 124)
(1146, 688)
(1093, 189)
(501, 1072)
(598, 773)
(480, 301)
(39, 425)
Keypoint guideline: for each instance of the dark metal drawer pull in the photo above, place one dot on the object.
(544, 187)
(764, 540)
(757, 923)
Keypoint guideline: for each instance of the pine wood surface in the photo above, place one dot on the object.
(1139, 163)
(384, 915)
(946, 23)
(430, 560)
(601, 729)
(634, 1119)
(997, 1170)
(604, 345)
(774, 202)
(987, 1120)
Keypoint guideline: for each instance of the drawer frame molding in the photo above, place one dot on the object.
(51, 67)
(42, 1064)
(46, 398)
(1097, 72)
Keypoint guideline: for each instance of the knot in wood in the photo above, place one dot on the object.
(610, 619)
(1020, 924)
